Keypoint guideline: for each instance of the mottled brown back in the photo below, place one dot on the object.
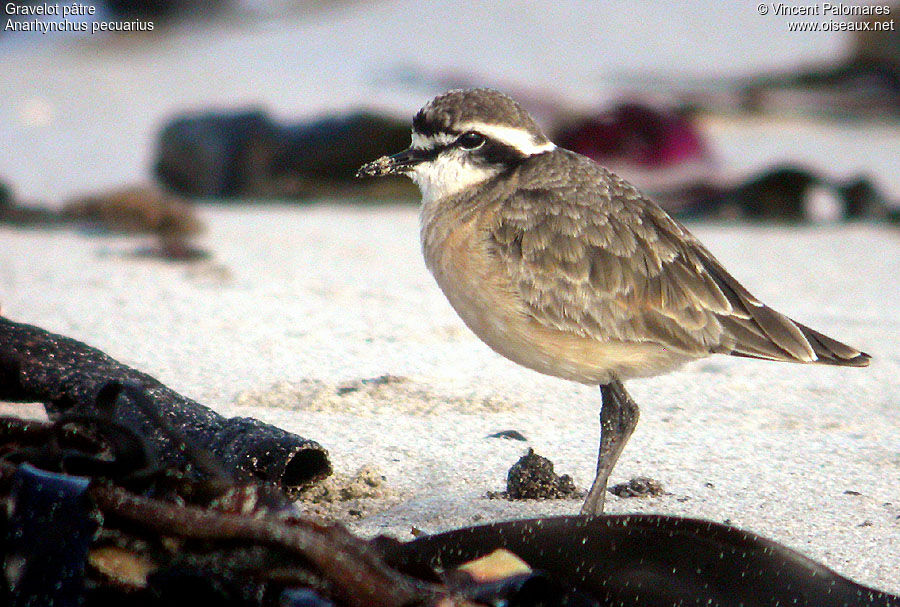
(589, 254)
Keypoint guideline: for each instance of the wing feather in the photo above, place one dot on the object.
(594, 257)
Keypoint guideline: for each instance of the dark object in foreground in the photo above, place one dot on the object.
(69, 378)
(49, 511)
(646, 559)
(532, 477)
(182, 540)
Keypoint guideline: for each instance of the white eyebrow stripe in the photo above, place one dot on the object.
(519, 139)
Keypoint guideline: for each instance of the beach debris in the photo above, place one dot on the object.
(639, 486)
(497, 565)
(142, 210)
(70, 377)
(509, 434)
(51, 526)
(532, 477)
(13, 212)
(367, 482)
(247, 154)
(640, 559)
(502, 578)
(164, 536)
(132, 210)
(135, 209)
(138, 532)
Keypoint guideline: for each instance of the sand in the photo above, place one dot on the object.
(322, 319)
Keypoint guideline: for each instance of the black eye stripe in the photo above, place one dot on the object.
(494, 152)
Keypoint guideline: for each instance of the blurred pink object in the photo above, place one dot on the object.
(659, 150)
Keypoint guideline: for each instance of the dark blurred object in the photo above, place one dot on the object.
(6, 195)
(859, 88)
(17, 214)
(793, 194)
(142, 210)
(865, 85)
(70, 377)
(167, 10)
(645, 559)
(863, 200)
(880, 41)
(128, 210)
(205, 155)
(658, 149)
(246, 154)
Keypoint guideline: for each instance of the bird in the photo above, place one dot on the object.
(561, 266)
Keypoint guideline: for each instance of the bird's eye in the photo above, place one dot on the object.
(471, 140)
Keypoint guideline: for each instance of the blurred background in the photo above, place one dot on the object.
(721, 110)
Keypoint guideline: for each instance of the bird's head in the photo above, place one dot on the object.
(461, 139)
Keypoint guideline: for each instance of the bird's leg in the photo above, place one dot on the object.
(618, 417)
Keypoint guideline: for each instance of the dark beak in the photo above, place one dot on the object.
(399, 163)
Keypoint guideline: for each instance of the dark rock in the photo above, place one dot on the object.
(532, 477)
(639, 486)
(207, 154)
(863, 200)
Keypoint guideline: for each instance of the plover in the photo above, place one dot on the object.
(563, 267)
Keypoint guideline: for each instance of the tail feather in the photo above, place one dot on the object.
(758, 331)
(750, 342)
(832, 352)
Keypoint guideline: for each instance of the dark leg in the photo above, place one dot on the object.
(618, 417)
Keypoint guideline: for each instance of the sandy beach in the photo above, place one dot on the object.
(301, 307)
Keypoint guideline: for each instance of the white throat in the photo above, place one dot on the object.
(448, 174)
